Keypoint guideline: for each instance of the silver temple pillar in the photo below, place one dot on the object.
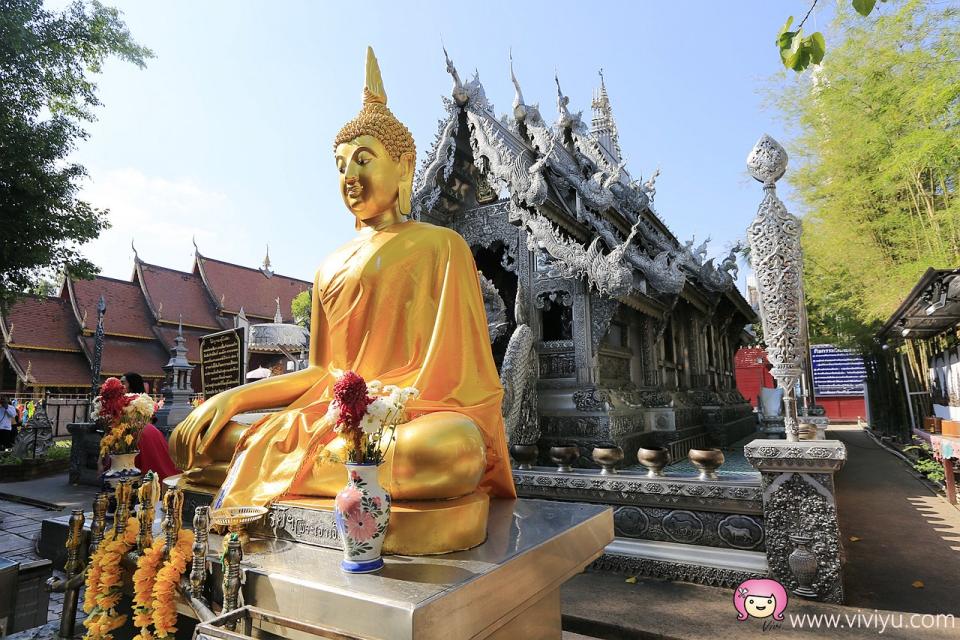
(777, 261)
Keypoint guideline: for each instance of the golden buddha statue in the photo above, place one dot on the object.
(400, 303)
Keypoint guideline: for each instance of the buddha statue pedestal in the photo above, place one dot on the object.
(508, 587)
(417, 527)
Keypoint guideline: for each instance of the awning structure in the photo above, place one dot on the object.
(931, 308)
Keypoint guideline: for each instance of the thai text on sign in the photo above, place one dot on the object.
(221, 361)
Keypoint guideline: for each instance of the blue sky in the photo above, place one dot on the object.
(227, 134)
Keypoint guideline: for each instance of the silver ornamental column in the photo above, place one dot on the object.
(777, 261)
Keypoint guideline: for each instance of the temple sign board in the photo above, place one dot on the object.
(221, 361)
(837, 372)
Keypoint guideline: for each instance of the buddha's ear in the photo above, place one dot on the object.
(405, 188)
(407, 166)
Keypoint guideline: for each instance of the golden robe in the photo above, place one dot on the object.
(403, 306)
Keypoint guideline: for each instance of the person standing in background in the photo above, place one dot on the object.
(8, 412)
(154, 453)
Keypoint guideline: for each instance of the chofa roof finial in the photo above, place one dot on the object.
(459, 93)
(519, 108)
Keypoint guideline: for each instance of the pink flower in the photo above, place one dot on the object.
(348, 501)
(376, 501)
(361, 526)
(354, 476)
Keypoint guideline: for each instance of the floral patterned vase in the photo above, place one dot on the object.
(121, 468)
(362, 512)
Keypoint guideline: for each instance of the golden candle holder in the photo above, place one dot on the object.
(236, 520)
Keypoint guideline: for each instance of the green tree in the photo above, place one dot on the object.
(47, 62)
(300, 308)
(876, 163)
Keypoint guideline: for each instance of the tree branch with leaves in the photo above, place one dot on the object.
(48, 60)
(798, 52)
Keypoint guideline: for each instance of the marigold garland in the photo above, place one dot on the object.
(143, 581)
(104, 583)
(155, 586)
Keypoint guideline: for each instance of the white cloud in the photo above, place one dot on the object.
(161, 216)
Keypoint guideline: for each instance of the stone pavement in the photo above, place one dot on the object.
(52, 491)
(905, 532)
(606, 606)
(24, 506)
(19, 529)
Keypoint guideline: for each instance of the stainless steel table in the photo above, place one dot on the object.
(507, 587)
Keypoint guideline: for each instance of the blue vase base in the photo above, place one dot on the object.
(367, 566)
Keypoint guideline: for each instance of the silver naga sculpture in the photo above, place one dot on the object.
(495, 308)
(777, 261)
(518, 375)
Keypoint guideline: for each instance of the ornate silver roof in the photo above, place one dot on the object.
(577, 171)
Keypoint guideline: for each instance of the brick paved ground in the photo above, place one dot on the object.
(19, 532)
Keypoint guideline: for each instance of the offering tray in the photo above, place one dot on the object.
(236, 520)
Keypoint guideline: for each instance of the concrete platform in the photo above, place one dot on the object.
(52, 492)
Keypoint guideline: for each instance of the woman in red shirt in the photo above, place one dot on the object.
(154, 452)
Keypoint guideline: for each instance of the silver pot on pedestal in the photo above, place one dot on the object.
(564, 457)
(803, 565)
(707, 461)
(654, 459)
(608, 457)
(524, 455)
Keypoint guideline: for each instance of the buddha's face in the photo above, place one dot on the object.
(370, 178)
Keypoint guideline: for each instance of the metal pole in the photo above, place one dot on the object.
(906, 388)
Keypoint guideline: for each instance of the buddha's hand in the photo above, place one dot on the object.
(201, 427)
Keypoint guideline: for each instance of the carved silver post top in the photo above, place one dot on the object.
(767, 161)
(820, 456)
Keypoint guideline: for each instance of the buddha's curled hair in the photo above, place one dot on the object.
(375, 119)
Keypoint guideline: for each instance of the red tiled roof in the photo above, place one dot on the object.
(173, 294)
(42, 322)
(53, 368)
(126, 314)
(120, 356)
(192, 337)
(250, 288)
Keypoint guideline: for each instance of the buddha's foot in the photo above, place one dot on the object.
(211, 475)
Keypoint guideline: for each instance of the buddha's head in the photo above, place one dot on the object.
(375, 155)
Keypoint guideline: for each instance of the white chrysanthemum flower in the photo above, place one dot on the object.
(96, 409)
(374, 387)
(141, 406)
(408, 393)
(380, 408)
(370, 424)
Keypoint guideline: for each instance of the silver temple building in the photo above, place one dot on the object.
(605, 327)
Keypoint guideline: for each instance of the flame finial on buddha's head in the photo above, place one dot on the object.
(375, 119)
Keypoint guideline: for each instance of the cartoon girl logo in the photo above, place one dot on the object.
(760, 599)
